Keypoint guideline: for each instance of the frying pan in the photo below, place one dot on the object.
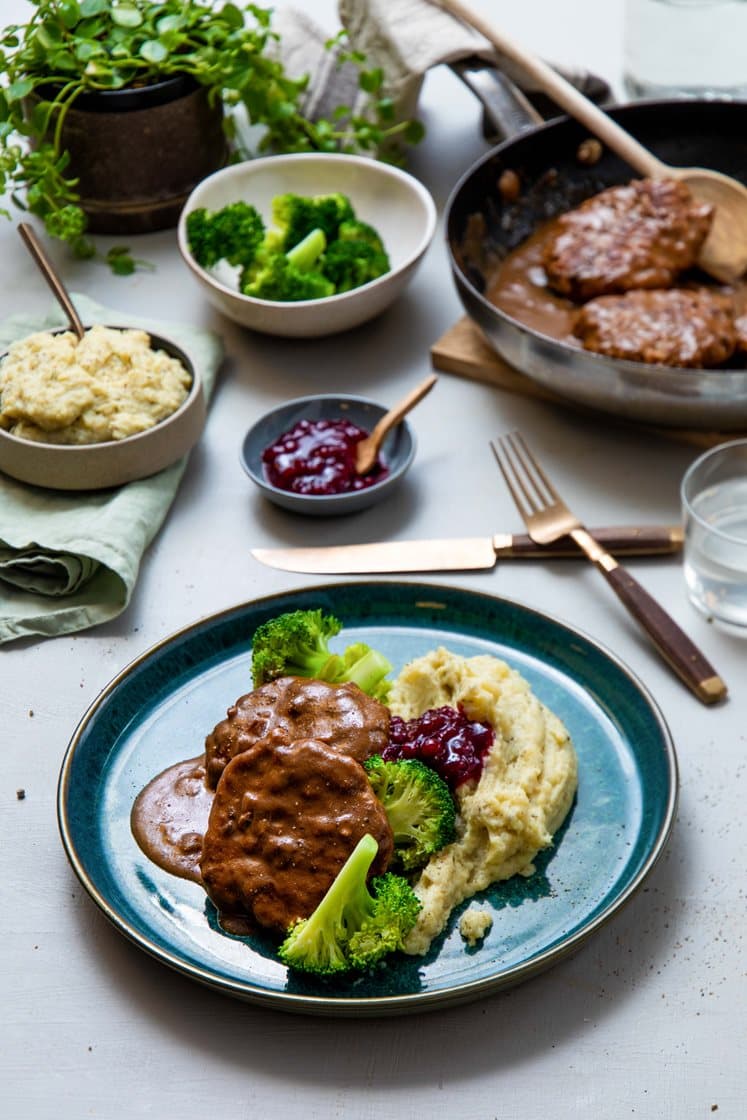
(545, 157)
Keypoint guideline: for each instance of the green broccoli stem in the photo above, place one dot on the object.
(368, 671)
(308, 251)
(348, 895)
(317, 943)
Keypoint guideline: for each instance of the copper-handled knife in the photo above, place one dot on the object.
(461, 554)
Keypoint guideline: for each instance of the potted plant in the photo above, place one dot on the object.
(112, 110)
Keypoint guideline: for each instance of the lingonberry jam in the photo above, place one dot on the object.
(443, 738)
(318, 457)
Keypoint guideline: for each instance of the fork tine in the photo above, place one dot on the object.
(532, 460)
(510, 478)
(523, 475)
(515, 455)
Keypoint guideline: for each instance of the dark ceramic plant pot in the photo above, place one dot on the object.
(137, 153)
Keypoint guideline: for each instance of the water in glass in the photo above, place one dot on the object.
(716, 552)
(692, 48)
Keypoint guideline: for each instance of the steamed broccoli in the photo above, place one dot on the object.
(295, 215)
(288, 277)
(365, 667)
(315, 248)
(352, 927)
(233, 233)
(293, 645)
(296, 645)
(349, 264)
(418, 805)
(355, 230)
(356, 256)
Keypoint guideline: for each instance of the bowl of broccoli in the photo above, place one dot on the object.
(305, 245)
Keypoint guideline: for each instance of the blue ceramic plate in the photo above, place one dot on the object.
(158, 710)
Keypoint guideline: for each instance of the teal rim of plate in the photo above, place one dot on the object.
(611, 840)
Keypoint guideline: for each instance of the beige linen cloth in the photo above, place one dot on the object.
(70, 560)
(405, 38)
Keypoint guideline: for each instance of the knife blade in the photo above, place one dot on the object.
(461, 554)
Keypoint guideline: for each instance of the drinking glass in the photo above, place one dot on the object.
(695, 48)
(714, 510)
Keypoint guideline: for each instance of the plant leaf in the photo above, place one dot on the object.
(153, 50)
(126, 17)
(414, 132)
(69, 12)
(231, 15)
(170, 23)
(93, 7)
(371, 80)
(19, 89)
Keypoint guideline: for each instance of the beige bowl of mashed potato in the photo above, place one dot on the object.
(119, 405)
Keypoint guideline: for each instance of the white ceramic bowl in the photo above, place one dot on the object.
(393, 202)
(97, 466)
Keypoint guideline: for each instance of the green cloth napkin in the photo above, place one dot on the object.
(70, 560)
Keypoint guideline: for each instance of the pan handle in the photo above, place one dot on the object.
(506, 109)
(562, 92)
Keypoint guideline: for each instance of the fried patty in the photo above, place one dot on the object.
(675, 327)
(341, 715)
(641, 235)
(285, 818)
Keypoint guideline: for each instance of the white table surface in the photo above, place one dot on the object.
(648, 1019)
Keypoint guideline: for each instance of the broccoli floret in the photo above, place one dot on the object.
(293, 645)
(418, 805)
(356, 230)
(348, 264)
(352, 927)
(279, 282)
(233, 233)
(385, 929)
(296, 645)
(288, 277)
(295, 215)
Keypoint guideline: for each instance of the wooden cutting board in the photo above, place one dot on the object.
(464, 351)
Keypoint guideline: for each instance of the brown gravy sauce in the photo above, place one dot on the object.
(169, 819)
(170, 816)
(518, 287)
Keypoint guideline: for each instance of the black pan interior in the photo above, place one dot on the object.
(482, 229)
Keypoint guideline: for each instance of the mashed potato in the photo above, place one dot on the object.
(523, 794)
(110, 385)
(475, 924)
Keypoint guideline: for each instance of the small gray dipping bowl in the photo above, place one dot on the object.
(397, 452)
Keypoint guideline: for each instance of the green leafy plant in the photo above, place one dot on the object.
(70, 47)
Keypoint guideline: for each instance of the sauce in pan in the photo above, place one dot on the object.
(518, 287)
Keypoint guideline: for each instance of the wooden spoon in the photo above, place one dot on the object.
(50, 275)
(724, 254)
(368, 448)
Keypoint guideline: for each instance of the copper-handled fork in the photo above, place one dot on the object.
(548, 518)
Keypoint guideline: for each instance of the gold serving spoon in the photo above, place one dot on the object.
(724, 254)
(50, 275)
(368, 448)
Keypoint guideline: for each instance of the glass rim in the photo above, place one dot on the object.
(697, 464)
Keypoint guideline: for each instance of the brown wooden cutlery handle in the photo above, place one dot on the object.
(672, 642)
(621, 540)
